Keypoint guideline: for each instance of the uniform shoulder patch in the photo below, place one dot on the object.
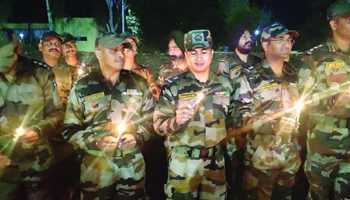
(316, 49)
(174, 79)
(40, 64)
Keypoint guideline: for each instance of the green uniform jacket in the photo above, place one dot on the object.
(268, 147)
(326, 81)
(28, 100)
(214, 111)
(93, 103)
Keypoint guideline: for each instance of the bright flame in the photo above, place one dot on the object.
(19, 132)
(80, 71)
(121, 127)
(200, 97)
(299, 106)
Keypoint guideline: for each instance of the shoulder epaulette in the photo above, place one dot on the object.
(314, 49)
(40, 64)
(174, 78)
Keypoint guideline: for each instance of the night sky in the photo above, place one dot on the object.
(159, 17)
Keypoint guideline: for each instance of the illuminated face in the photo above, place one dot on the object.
(112, 58)
(174, 50)
(341, 27)
(199, 59)
(8, 57)
(69, 49)
(51, 48)
(245, 43)
(279, 47)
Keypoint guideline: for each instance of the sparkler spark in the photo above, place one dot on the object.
(200, 97)
(121, 127)
(80, 71)
(19, 132)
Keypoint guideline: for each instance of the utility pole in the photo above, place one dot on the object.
(123, 7)
(49, 15)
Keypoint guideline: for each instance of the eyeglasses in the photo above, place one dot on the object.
(196, 53)
(283, 41)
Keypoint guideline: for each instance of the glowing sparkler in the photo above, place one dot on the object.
(121, 128)
(80, 71)
(298, 107)
(19, 132)
(200, 96)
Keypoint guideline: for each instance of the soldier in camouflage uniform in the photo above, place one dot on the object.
(272, 151)
(131, 64)
(29, 115)
(177, 64)
(50, 47)
(70, 54)
(326, 82)
(108, 117)
(194, 112)
(241, 60)
(239, 66)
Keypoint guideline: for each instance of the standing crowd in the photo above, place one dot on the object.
(249, 130)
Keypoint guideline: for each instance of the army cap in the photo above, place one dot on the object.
(7, 36)
(109, 41)
(198, 39)
(67, 37)
(50, 35)
(127, 35)
(275, 30)
(338, 8)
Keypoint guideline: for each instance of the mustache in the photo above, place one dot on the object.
(248, 43)
(54, 49)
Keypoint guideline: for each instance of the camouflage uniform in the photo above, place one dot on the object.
(147, 74)
(272, 156)
(28, 99)
(196, 164)
(92, 105)
(328, 142)
(167, 71)
(242, 75)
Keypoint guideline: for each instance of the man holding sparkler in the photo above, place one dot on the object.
(29, 116)
(108, 116)
(272, 152)
(193, 113)
(326, 82)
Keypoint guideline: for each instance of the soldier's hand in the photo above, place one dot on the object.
(4, 161)
(155, 90)
(128, 140)
(288, 125)
(29, 136)
(107, 143)
(184, 113)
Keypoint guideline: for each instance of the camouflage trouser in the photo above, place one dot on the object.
(118, 177)
(328, 176)
(28, 185)
(195, 176)
(274, 184)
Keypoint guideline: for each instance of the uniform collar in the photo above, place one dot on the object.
(288, 73)
(212, 78)
(333, 47)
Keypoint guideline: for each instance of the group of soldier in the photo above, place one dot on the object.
(249, 127)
